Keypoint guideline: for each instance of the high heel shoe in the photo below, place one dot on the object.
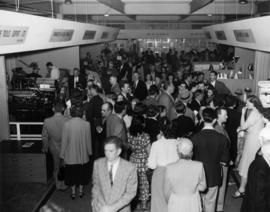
(73, 196)
(81, 194)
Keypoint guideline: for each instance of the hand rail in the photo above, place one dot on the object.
(19, 136)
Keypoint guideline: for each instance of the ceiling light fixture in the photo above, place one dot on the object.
(243, 1)
(68, 1)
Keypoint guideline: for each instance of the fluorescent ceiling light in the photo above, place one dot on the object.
(243, 1)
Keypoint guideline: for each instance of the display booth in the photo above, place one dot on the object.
(251, 38)
(25, 42)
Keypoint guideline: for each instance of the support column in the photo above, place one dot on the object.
(261, 69)
(4, 115)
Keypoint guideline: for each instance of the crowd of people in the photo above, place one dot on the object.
(158, 133)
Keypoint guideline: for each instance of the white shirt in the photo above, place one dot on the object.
(76, 79)
(213, 83)
(162, 153)
(208, 127)
(115, 167)
(55, 73)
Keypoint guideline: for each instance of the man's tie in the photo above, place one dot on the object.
(111, 174)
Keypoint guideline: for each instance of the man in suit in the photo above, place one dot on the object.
(219, 127)
(182, 126)
(233, 122)
(139, 87)
(151, 99)
(93, 115)
(106, 111)
(114, 180)
(184, 180)
(115, 125)
(219, 86)
(125, 71)
(77, 80)
(152, 126)
(126, 92)
(196, 103)
(185, 97)
(211, 148)
(51, 139)
(167, 100)
(115, 88)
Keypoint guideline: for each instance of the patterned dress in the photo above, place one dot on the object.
(138, 157)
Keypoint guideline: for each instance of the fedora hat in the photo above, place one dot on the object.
(238, 91)
(185, 95)
(248, 90)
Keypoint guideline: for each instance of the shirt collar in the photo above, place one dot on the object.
(115, 163)
(208, 128)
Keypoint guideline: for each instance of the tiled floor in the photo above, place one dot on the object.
(83, 205)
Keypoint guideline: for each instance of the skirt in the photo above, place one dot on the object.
(158, 202)
(77, 174)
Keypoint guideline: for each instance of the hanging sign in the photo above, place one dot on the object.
(12, 35)
(89, 35)
(220, 35)
(61, 35)
(244, 35)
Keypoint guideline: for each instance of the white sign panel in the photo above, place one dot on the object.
(264, 93)
(10, 35)
(60, 35)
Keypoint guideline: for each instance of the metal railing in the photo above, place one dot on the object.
(22, 137)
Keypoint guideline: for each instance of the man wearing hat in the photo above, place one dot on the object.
(184, 180)
(185, 96)
(167, 100)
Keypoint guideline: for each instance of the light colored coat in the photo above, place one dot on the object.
(52, 132)
(167, 100)
(183, 181)
(76, 142)
(123, 190)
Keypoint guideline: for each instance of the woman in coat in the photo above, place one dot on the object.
(75, 151)
(253, 125)
(184, 180)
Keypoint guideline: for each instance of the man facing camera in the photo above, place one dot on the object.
(114, 180)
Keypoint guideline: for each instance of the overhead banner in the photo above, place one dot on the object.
(10, 35)
(61, 35)
(244, 35)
